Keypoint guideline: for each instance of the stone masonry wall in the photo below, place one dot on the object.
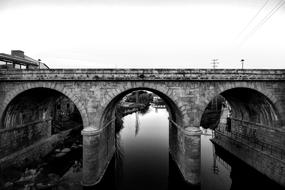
(190, 97)
(261, 161)
(259, 134)
(34, 152)
(188, 92)
(15, 139)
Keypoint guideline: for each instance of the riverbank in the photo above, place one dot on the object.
(48, 171)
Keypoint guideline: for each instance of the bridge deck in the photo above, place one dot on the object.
(144, 74)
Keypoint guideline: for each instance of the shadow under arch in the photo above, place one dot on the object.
(32, 123)
(250, 132)
(39, 101)
(17, 92)
(250, 105)
(173, 110)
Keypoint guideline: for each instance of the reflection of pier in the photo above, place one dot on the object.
(218, 159)
(223, 163)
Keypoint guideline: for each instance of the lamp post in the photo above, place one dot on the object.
(242, 62)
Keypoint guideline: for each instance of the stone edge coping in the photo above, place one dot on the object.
(143, 74)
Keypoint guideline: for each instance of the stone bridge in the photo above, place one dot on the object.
(256, 96)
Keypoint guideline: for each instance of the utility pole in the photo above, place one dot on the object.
(215, 63)
(242, 62)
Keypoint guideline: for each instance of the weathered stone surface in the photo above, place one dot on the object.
(148, 74)
(187, 92)
(12, 140)
(32, 153)
(91, 96)
(98, 149)
(269, 165)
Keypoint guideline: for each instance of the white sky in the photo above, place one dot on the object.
(144, 34)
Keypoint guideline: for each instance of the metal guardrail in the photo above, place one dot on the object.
(253, 143)
(254, 125)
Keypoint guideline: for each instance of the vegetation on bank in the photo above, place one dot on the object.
(140, 96)
(137, 101)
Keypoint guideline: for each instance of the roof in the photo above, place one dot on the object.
(18, 60)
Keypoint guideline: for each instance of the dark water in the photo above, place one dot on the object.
(142, 161)
(144, 143)
(145, 162)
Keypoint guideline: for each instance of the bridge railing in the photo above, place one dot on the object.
(251, 141)
(240, 122)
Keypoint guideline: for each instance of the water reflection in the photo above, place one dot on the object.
(145, 152)
(214, 174)
(142, 161)
(243, 176)
(146, 163)
(142, 158)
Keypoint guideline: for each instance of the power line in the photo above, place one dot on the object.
(253, 18)
(265, 19)
(268, 16)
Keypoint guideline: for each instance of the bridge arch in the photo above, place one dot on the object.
(100, 148)
(250, 103)
(48, 86)
(174, 110)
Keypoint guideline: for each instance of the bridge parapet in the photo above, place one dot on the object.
(144, 74)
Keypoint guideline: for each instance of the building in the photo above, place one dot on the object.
(18, 60)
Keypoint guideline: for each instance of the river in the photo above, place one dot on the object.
(145, 162)
(142, 161)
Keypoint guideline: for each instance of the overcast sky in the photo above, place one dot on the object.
(146, 34)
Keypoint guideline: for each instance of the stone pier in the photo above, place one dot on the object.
(185, 149)
(98, 149)
(91, 163)
(192, 160)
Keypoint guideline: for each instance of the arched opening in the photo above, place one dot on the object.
(241, 121)
(40, 104)
(252, 106)
(142, 136)
(171, 107)
(39, 125)
(242, 104)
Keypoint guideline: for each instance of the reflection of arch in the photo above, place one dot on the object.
(60, 89)
(174, 112)
(250, 104)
